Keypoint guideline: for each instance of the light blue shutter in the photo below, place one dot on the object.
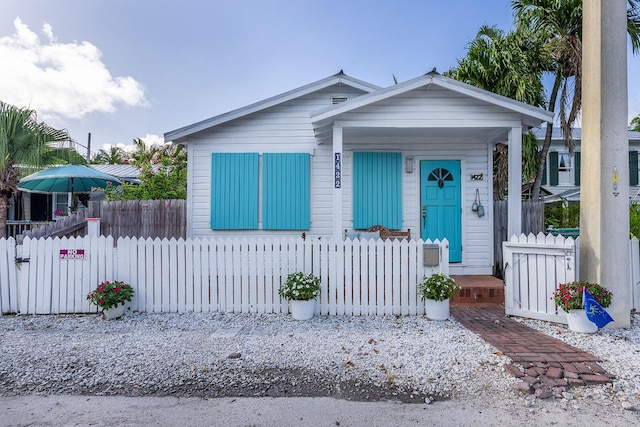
(285, 191)
(234, 191)
(377, 190)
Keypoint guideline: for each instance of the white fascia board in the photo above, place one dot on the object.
(181, 133)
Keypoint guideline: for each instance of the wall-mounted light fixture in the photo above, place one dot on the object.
(408, 164)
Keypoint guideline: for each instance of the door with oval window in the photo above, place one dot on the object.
(440, 204)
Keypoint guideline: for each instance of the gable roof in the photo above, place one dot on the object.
(532, 116)
(127, 173)
(180, 135)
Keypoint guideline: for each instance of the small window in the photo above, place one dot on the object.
(338, 99)
(565, 169)
(61, 204)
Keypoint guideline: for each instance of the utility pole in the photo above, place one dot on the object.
(89, 148)
(604, 189)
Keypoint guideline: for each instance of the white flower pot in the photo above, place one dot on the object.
(303, 310)
(114, 312)
(437, 310)
(579, 322)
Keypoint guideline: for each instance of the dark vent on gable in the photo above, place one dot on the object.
(338, 99)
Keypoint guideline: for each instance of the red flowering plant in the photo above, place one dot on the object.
(110, 294)
(568, 296)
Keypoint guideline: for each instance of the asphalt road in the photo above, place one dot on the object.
(293, 411)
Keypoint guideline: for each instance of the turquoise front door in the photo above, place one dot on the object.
(440, 205)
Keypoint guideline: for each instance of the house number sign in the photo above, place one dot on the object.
(337, 169)
(71, 253)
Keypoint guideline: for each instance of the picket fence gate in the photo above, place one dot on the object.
(534, 266)
(54, 275)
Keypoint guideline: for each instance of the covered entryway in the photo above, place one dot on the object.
(440, 201)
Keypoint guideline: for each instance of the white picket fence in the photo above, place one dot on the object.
(534, 266)
(240, 275)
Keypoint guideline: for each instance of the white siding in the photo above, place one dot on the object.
(436, 108)
(429, 125)
(477, 237)
(282, 128)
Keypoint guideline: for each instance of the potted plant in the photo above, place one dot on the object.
(59, 213)
(569, 297)
(301, 289)
(111, 297)
(436, 290)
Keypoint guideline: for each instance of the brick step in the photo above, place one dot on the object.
(478, 291)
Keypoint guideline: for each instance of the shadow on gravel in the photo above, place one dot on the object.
(264, 383)
(301, 383)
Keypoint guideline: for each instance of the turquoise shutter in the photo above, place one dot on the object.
(544, 174)
(377, 190)
(633, 168)
(234, 191)
(576, 163)
(285, 191)
(553, 168)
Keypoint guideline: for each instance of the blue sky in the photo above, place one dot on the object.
(125, 69)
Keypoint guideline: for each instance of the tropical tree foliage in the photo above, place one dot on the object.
(25, 145)
(559, 24)
(634, 125)
(112, 156)
(509, 64)
(163, 174)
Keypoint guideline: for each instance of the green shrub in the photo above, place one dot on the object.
(562, 215)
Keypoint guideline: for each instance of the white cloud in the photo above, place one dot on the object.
(149, 140)
(60, 80)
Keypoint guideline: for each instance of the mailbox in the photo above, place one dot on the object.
(431, 255)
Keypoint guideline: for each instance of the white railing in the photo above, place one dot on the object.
(534, 266)
(239, 275)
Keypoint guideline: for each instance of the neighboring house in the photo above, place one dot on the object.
(341, 155)
(125, 172)
(42, 207)
(562, 169)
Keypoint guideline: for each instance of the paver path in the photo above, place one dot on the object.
(539, 360)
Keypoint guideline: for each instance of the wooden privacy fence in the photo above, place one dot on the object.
(240, 275)
(141, 218)
(534, 266)
(532, 222)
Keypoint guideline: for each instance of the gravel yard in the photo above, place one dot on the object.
(406, 359)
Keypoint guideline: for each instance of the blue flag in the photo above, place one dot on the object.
(594, 311)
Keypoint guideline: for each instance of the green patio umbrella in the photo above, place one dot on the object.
(66, 179)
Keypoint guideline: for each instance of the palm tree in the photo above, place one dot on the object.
(559, 22)
(24, 143)
(634, 125)
(113, 156)
(510, 64)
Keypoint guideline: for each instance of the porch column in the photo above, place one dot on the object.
(514, 219)
(338, 229)
(604, 189)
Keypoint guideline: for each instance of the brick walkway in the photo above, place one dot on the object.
(541, 361)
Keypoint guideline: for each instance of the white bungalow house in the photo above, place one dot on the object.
(562, 169)
(341, 154)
